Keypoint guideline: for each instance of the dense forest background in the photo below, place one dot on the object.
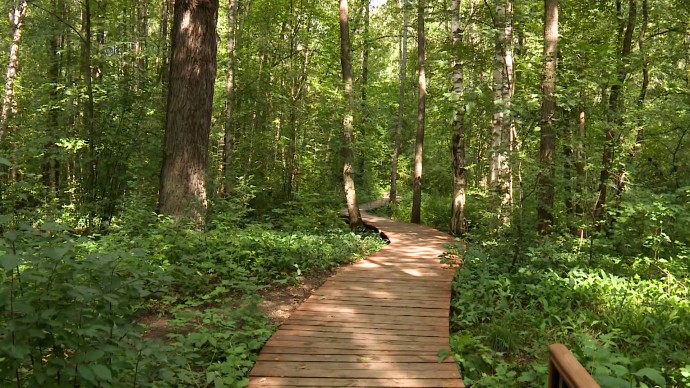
(553, 140)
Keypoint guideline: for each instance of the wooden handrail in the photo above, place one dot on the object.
(566, 371)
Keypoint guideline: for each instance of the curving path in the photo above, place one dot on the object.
(377, 323)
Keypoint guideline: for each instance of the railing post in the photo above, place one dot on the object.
(566, 371)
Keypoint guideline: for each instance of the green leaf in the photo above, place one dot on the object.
(9, 261)
(5, 162)
(653, 375)
(87, 373)
(102, 372)
(443, 354)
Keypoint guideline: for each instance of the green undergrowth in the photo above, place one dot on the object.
(620, 301)
(77, 310)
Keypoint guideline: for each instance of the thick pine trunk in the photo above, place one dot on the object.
(228, 126)
(547, 146)
(457, 222)
(421, 115)
(348, 127)
(8, 103)
(190, 100)
(401, 106)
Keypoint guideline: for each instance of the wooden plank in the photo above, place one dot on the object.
(359, 345)
(362, 300)
(364, 318)
(383, 292)
(282, 365)
(415, 284)
(392, 371)
(436, 326)
(302, 334)
(355, 358)
(362, 330)
(284, 349)
(374, 310)
(262, 382)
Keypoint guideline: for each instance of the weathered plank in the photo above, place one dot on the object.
(261, 382)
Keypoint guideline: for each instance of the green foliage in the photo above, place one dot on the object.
(72, 308)
(623, 314)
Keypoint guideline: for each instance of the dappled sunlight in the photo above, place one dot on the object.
(378, 322)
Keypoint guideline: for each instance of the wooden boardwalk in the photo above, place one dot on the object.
(377, 323)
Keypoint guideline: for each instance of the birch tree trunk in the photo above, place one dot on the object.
(457, 222)
(348, 127)
(421, 113)
(545, 189)
(8, 103)
(401, 106)
(498, 75)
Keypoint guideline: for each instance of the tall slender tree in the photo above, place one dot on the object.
(228, 125)
(614, 108)
(16, 17)
(182, 191)
(348, 127)
(401, 105)
(548, 108)
(421, 115)
(457, 222)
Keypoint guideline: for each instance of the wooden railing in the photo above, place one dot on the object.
(566, 371)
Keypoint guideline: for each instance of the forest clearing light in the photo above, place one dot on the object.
(377, 3)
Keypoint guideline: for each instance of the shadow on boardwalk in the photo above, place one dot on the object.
(377, 323)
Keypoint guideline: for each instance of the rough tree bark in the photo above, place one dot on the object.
(547, 146)
(421, 113)
(188, 121)
(401, 106)
(348, 127)
(614, 113)
(228, 126)
(457, 222)
(16, 17)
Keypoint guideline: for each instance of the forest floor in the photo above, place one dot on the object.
(280, 301)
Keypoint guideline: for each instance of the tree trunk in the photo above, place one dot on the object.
(498, 75)
(401, 106)
(580, 159)
(457, 222)
(88, 109)
(508, 130)
(8, 103)
(421, 113)
(51, 161)
(229, 128)
(547, 147)
(165, 55)
(639, 136)
(614, 111)
(363, 87)
(347, 152)
(190, 100)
